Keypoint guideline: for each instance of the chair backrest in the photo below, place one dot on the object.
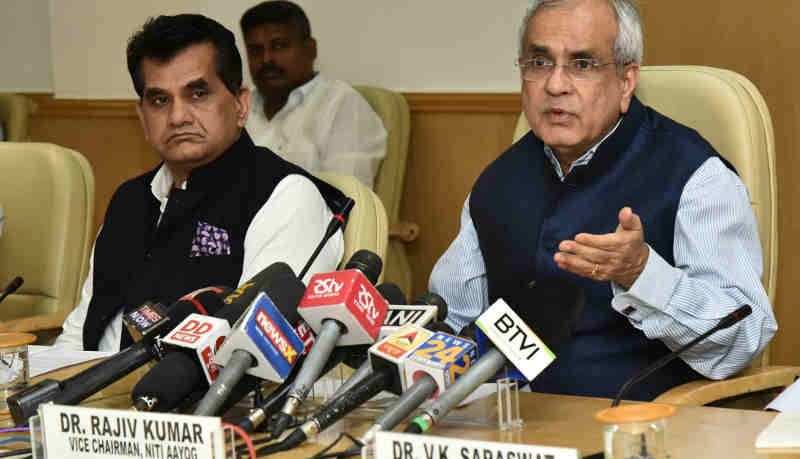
(15, 112)
(393, 111)
(367, 227)
(729, 112)
(47, 194)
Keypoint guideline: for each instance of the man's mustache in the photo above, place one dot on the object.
(269, 68)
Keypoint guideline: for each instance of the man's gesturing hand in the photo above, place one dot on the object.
(619, 256)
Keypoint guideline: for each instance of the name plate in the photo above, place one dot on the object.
(390, 445)
(78, 432)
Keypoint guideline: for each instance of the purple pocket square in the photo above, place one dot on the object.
(210, 241)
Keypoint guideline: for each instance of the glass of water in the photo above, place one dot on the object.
(636, 431)
(13, 364)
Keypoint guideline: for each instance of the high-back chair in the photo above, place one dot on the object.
(367, 226)
(729, 112)
(393, 110)
(15, 112)
(47, 194)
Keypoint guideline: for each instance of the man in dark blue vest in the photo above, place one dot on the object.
(609, 202)
(217, 210)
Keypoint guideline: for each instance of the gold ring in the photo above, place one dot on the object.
(594, 271)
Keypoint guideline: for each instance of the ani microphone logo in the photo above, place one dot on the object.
(274, 334)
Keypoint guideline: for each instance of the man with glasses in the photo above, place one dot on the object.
(609, 206)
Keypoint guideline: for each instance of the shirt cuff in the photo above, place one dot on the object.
(650, 292)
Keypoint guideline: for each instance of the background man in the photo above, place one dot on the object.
(217, 210)
(609, 201)
(317, 123)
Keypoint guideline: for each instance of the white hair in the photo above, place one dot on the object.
(629, 44)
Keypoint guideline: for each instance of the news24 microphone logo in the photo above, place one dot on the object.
(444, 357)
(203, 335)
(514, 339)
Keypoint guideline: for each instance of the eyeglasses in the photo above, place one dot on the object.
(539, 68)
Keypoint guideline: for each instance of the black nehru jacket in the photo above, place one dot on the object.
(136, 259)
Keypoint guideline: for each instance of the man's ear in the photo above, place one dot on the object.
(311, 43)
(140, 113)
(628, 80)
(242, 101)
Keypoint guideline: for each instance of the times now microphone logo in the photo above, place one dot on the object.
(276, 337)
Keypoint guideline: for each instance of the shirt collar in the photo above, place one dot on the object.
(296, 97)
(161, 185)
(583, 160)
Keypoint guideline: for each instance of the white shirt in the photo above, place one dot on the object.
(717, 268)
(287, 228)
(325, 126)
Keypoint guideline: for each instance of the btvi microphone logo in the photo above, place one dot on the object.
(274, 334)
(366, 304)
(515, 339)
(327, 286)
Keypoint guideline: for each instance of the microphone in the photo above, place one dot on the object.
(726, 322)
(12, 287)
(80, 386)
(388, 357)
(391, 293)
(343, 308)
(263, 343)
(515, 343)
(186, 372)
(427, 307)
(429, 370)
(337, 221)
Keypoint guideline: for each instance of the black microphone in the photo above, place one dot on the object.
(341, 308)
(337, 221)
(186, 373)
(72, 390)
(391, 293)
(12, 287)
(726, 322)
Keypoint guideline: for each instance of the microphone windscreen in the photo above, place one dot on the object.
(433, 300)
(238, 301)
(170, 381)
(391, 293)
(207, 302)
(368, 263)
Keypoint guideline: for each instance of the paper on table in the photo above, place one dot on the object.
(787, 401)
(781, 432)
(42, 359)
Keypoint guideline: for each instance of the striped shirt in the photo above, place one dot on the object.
(718, 266)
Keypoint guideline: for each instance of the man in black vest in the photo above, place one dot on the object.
(217, 210)
(608, 205)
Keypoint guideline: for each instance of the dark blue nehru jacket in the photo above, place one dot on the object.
(522, 211)
(136, 260)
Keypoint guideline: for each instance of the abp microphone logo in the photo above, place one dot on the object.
(276, 337)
